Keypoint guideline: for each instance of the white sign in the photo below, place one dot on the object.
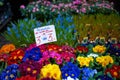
(45, 34)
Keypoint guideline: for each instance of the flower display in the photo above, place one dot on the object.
(51, 71)
(7, 48)
(10, 73)
(27, 77)
(104, 60)
(16, 57)
(70, 70)
(84, 61)
(114, 71)
(33, 54)
(104, 77)
(82, 49)
(99, 49)
(30, 67)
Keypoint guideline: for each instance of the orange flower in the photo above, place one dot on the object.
(7, 48)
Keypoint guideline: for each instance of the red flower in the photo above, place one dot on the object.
(114, 71)
(28, 77)
(82, 49)
(54, 47)
(15, 56)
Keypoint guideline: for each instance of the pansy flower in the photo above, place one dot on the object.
(16, 56)
(10, 73)
(33, 54)
(27, 77)
(7, 48)
(30, 67)
(70, 69)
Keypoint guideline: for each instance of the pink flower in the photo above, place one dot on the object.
(83, 10)
(22, 7)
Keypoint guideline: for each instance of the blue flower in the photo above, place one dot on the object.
(33, 54)
(87, 73)
(70, 69)
(10, 73)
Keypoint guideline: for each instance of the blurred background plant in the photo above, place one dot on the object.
(99, 25)
(21, 33)
(45, 9)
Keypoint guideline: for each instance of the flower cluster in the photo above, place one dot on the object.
(16, 57)
(42, 7)
(29, 67)
(7, 48)
(82, 49)
(10, 73)
(104, 60)
(27, 77)
(114, 71)
(84, 61)
(51, 71)
(70, 70)
(33, 54)
(99, 49)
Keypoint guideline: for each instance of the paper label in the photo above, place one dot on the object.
(45, 34)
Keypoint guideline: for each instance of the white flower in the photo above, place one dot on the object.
(69, 78)
(92, 55)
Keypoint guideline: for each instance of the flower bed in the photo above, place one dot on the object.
(54, 62)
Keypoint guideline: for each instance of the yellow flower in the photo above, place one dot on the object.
(84, 61)
(104, 60)
(51, 71)
(99, 49)
(7, 48)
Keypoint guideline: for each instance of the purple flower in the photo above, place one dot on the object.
(30, 67)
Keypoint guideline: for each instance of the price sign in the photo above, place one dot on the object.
(45, 34)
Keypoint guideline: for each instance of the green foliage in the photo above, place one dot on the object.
(98, 25)
(65, 30)
(21, 33)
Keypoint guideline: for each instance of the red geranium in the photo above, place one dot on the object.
(28, 77)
